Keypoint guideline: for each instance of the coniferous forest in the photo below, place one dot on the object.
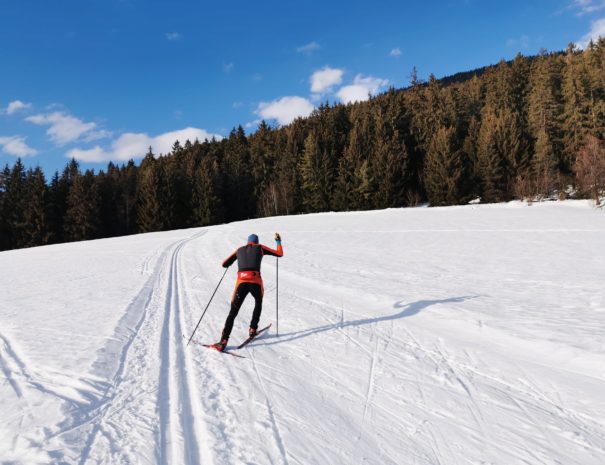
(530, 128)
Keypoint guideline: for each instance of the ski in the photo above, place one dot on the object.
(211, 346)
(250, 339)
(226, 352)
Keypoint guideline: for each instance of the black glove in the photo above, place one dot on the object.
(277, 237)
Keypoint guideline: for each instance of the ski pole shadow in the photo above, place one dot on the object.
(407, 310)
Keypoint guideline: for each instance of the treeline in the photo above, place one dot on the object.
(528, 128)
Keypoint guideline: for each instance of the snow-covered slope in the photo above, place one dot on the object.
(465, 335)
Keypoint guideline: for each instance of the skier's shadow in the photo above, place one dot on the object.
(408, 310)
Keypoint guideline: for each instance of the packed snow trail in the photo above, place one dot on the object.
(460, 335)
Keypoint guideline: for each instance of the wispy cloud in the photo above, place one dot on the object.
(584, 7)
(172, 36)
(16, 105)
(16, 146)
(309, 48)
(361, 89)
(395, 52)
(597, 30)
(324, 79)
(135, 145)
(521, 42)
(65, 128)
(228, 67)
(285, 110)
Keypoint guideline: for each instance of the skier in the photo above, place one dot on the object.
(249, 280)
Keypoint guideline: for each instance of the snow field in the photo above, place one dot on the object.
(460, 335)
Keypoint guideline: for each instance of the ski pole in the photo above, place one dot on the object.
(212, 297)
(277, 295)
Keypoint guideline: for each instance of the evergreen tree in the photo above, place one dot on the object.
(355, 184)
(544, 111)
(443, 169)
(37, 230)
(576, 92)
(83, 204)
(490, 160)
(5, 233)
(315, 187)
(239, 189)
(14, 206)
(149, 201)
(207, 202)
(389, 162)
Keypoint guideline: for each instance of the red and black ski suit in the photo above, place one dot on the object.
(249, 280)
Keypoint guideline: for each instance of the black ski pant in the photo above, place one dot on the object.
(239, 295)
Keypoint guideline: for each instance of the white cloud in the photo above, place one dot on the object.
(361, 89)
(228, 67)
(587, 6)
(16, 106)
(135, 145)
(172, 36)
(597, 30)
(64, 128)
(15, 145)
(309, 48)
(395, 52)
(285, 110)
(326, 78)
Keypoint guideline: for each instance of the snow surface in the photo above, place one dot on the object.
(461, 335)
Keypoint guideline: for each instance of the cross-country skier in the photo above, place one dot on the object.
(249, 280)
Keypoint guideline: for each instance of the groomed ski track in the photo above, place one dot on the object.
(402, 353)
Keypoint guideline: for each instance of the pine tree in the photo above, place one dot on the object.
(149, 201)
(83, 205)
(315, 188)
(443, 169)
(354, 184)
(14, 206)
(5, 233)
(576, 92)
(207, 204)
(389, 162)
(544, 111)
(35, 214)
(490, 161)
(239, 189)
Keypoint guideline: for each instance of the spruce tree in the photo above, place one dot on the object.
(490, 161)
(5, 236)
(14, 205)
(149, 192)
(443, 169)
(576, 92)
(315, 188)
(37, 230)
(82, 219)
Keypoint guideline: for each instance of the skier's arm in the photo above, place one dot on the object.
(276, 253)
(229, 260)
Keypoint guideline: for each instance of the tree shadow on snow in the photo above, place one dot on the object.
(407, 310)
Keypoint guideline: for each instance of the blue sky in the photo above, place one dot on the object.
(104, 79)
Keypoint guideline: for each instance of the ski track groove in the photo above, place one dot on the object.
(95, 415)
(113, 391)
(177, 424)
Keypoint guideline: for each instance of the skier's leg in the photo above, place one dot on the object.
(257, 292)
(238, 299)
